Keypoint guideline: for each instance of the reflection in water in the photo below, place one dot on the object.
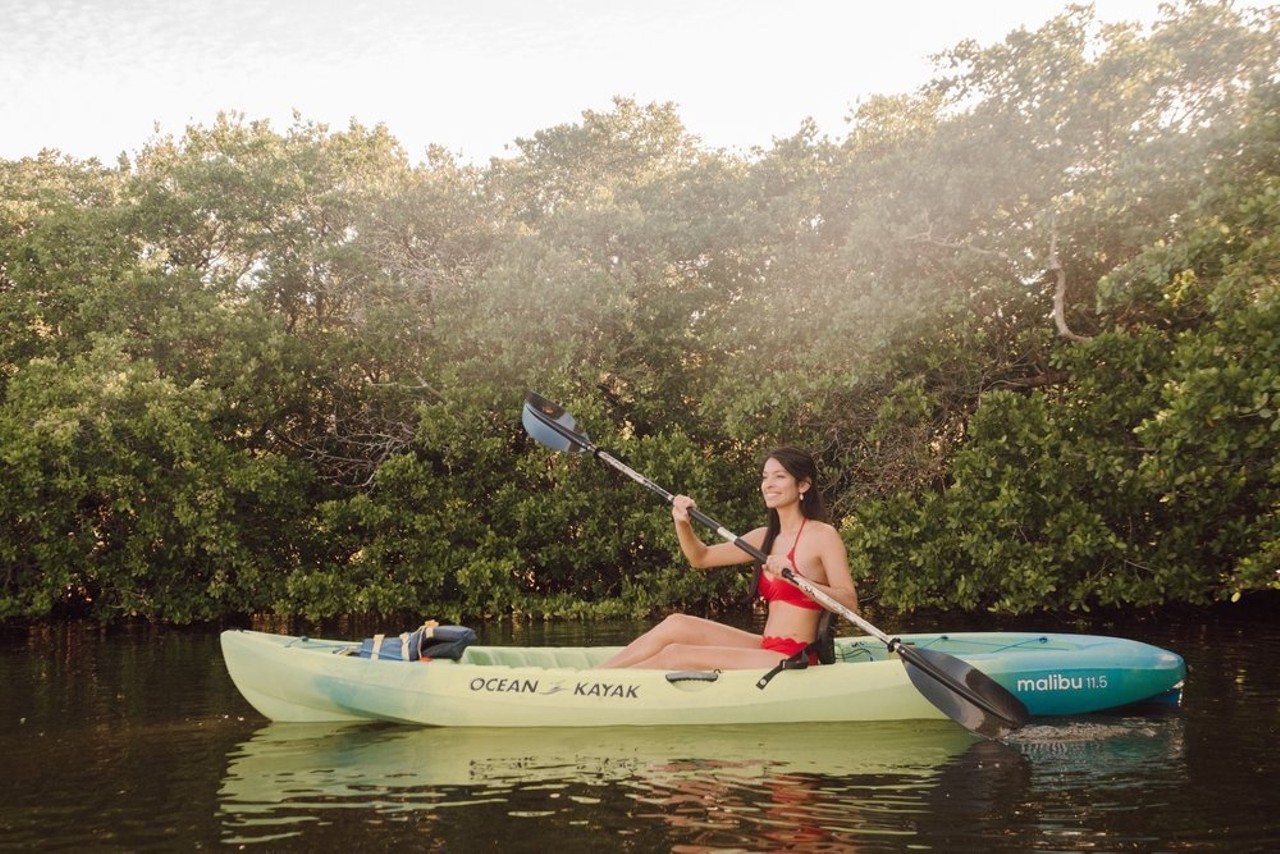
(1094, 779)
(1108, 752)
(703, 779)
(1035, 790)
(803, 788)
(979, 791)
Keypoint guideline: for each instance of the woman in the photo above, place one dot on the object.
(797, 537)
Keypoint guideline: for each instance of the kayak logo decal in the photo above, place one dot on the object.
(606, 689)
(1062, 682)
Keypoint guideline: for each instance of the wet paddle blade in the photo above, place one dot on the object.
(965, 694)
(550, 425)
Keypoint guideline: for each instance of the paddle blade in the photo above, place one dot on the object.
(550, 425)
(965, 694)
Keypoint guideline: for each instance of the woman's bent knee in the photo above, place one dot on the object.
(677, 627)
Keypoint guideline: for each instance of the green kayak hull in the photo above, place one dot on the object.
(298, 679)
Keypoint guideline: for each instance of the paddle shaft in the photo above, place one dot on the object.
(578, 442)
(910, 655)
(819, 596)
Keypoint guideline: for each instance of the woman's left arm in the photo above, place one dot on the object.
(835, 562)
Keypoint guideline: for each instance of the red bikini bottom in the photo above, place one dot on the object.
(788, 647)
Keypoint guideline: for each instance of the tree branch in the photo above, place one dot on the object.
(1060, 290)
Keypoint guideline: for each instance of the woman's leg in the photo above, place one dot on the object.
(683, 630)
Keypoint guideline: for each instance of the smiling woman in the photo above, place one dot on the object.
(797, 538)
(960, 691)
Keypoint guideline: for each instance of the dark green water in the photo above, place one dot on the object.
(136, 740)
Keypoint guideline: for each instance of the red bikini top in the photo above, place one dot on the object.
(783, 591)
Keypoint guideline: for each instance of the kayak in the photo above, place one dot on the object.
(301, 679)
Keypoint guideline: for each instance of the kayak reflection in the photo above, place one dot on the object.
(720, 787)
(287, 776)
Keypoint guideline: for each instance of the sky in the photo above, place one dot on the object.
(97, 78)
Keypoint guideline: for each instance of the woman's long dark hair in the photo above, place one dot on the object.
(802, 466)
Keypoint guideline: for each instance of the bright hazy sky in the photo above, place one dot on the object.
(93, 78)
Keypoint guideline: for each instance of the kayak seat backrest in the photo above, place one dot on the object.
(825, 642)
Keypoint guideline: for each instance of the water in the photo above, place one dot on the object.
(136, 740)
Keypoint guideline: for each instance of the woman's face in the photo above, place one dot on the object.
(778, 486)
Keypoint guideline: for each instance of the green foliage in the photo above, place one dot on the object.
(282, 370)
(1151, 478)
(121, 496)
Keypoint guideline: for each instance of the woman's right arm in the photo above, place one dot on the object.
(699, 554)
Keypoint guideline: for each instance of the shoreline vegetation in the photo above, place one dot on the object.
(1121, 621)
(1027, 317)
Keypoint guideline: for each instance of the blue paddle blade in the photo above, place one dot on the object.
(550, 425)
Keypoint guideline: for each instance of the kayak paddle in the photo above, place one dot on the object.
(962, 692)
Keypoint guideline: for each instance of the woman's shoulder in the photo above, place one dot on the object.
(822, 530)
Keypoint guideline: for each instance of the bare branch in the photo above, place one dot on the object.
(1060, 290)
